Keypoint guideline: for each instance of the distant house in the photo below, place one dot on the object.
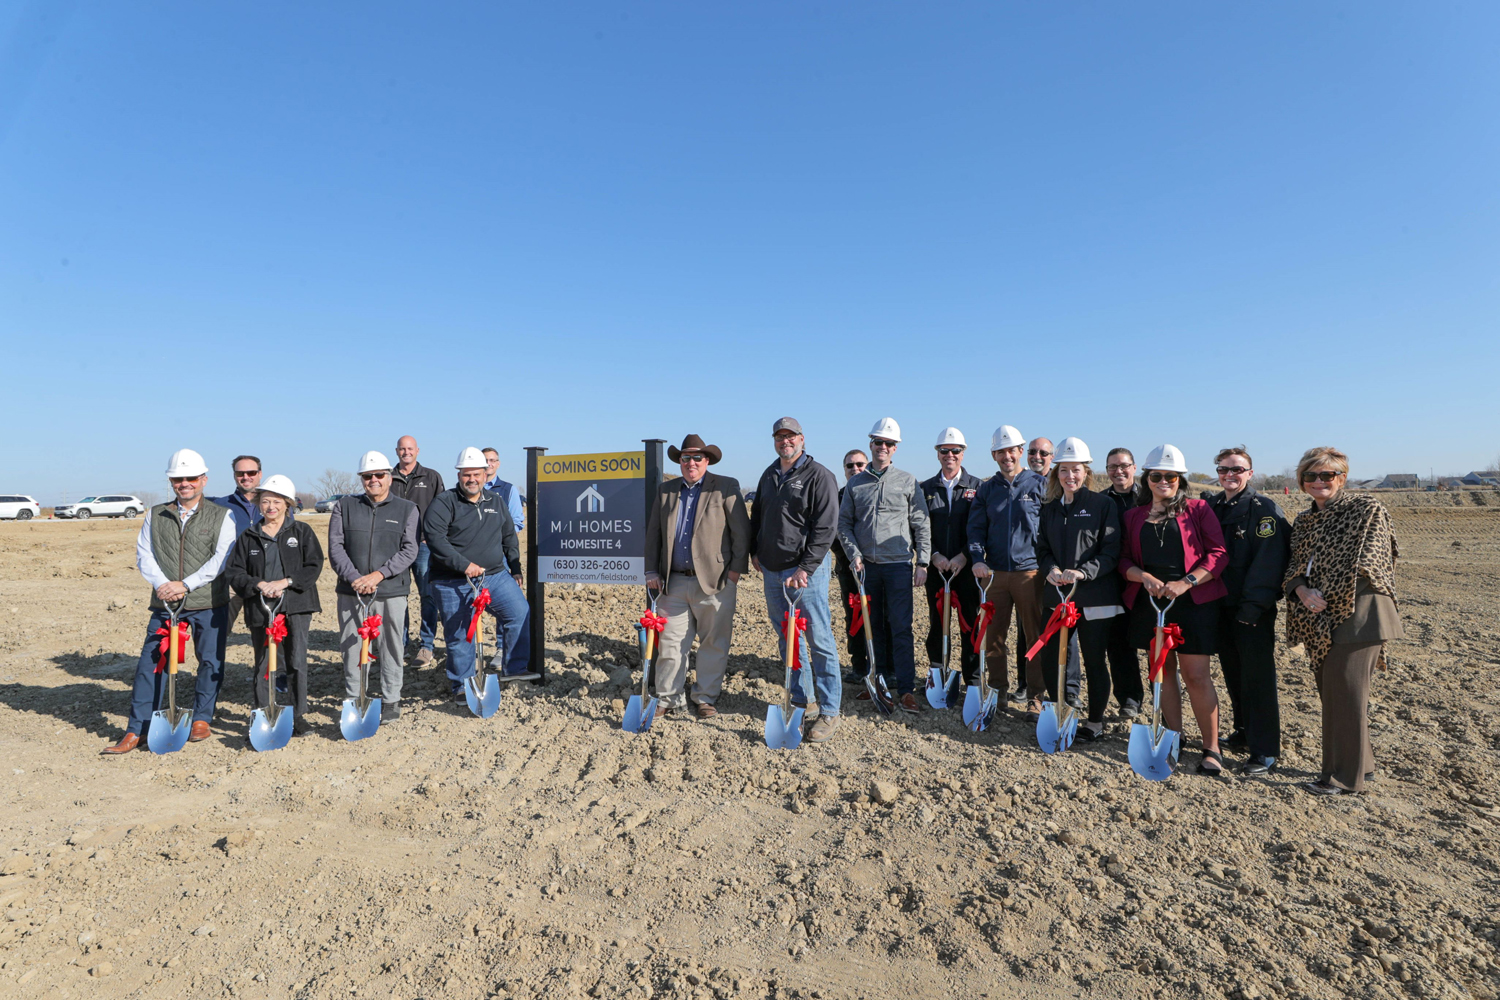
(1364, 484)
(1450, 482)
(1481, 479)
(1400, 481)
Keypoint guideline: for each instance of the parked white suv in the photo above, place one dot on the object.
(114, 505)
(18, 507)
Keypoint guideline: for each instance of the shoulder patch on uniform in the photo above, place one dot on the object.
(1267, 527)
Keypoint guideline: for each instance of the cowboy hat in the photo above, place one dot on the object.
(695, 443)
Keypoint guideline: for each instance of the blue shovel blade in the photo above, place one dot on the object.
(648, 716)
(937, 693)
(355, 726)
(163, 737)
(267, 735)
(1152, 759)
(783, 733)
(1054, 733)
(483, 701)
(632, 721)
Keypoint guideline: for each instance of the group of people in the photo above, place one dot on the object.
(1123, 565)
(215, 561)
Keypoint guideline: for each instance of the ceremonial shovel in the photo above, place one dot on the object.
(880, 695)
(980, 700)
(783, 722)
(481, 691)
(640, 711)
(271, 726)
(171, 726)
(360, 716)
(1154, 748)
(1058, 723)
(942, 683)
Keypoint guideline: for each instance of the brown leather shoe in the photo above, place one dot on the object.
(705, 710)
(662, 711)
(200, 732)
(127, 743)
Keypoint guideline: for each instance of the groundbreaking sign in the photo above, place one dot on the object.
(591, 518)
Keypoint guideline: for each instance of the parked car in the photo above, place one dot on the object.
(18, 507)
(113, 505)
(326, 506)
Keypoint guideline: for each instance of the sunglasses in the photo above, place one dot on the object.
(877, 443)
(367, 476)
(1231, 470)
(1038, 451)
(854, 465)
(1320, 477)
(950, 451)
(694, 457)
(179, 480)
(1119, 468)
(1162, 477)
(242, 475)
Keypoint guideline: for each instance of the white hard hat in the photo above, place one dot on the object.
(374, 461)
(1165, 458)
(1006, 436)
(471, 458)
(186, 463)
(281, 486)
(1072, 450)
(951, 435)
(886, 428)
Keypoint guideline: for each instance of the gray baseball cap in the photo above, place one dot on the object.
(786, 424)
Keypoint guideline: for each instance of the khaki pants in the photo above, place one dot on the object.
(1344, 683)
(1013, 591)
(386, 672)
(688, 611)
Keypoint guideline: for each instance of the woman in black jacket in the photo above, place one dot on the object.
(279, 559)
(1078, 542)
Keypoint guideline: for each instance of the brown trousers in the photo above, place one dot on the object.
(1344, 683)
(1013, 591)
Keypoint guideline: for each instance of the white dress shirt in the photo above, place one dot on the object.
(145, 558)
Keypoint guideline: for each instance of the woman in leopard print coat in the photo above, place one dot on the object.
(1341, 596)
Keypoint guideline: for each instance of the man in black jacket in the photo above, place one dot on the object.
(1260, 544)
(948, 495)
(372, 543)
(420, 485)
(792, 526)
(859, 657)
(473, 539)
(1124, 658)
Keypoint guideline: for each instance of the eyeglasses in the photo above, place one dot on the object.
(367, 476)
(1321, 477)
(241, 474)
(1119, 468)
(179, 480)
(877, 443)
(1038, 451)
(854, 465)
(1163, 477)
(785, 435)
(1231, 470)
(950, 451)
(694, 457)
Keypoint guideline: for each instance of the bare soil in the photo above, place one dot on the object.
(546, 853)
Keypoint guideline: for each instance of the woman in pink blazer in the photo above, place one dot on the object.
(1174, 550)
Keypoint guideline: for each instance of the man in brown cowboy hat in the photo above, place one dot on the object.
(697, 545)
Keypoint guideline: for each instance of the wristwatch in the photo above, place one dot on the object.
(1192, 581)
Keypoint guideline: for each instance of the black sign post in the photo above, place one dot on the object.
(536, 591)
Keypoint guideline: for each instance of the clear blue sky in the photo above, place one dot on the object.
(301, 230)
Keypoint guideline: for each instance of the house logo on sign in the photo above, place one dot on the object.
(589, 501)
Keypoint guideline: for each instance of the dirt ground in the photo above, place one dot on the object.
(546, 853)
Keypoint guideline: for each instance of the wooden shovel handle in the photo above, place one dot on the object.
(174, 650)
(270, 659)
(364, 651)
(864, 607)
(1062, 646)
(650, 643)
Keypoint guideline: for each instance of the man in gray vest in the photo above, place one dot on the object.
(372, 543)
(181, 552)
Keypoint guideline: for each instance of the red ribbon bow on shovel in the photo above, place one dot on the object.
(949, 597)
(856, 614)
(981, 622)
(1065, 615)
(1171, 638)
(654, 622)
(166, 637)
(798, 628)
(480, 603)
(371, 628)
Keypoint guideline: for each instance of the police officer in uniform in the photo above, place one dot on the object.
(1258, 538)
(948, 495)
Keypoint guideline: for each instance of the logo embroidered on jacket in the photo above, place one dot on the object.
(969, 494)
(291, 543)
(1267, 527)
(1082, 513)
(391, 521)
(255, 552)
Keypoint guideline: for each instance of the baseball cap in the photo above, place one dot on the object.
(786, 424)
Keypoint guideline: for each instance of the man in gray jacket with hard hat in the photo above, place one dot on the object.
(372, 543)
(882, 526)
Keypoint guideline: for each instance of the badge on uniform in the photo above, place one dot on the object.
(291, 543)
(969, 494)
(1267, 527)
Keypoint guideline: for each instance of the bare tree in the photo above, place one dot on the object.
(334, 481)
(150, 497)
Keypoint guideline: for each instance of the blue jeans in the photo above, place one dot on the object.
(817, 642)
(421, 575)
(210, 631)
(508, 606)
(889, 587)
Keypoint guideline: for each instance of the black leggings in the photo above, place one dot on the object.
(1093, 642)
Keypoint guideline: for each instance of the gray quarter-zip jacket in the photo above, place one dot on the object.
(883, 519)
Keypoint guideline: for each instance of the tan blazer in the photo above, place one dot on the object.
(721, 531)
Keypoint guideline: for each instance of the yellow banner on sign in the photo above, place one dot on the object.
(608, 465)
